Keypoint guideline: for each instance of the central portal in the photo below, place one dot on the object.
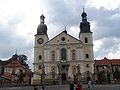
(63, 77)
(63, 68)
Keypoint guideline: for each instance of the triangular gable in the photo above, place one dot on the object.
(63, 37)
(14, 63)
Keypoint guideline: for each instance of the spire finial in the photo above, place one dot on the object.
(16, 52)
(83, 10)
(65, 28)
(42, 12)
(84, 16)
(42, 18)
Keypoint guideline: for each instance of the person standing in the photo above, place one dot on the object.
(35, 88)
(43, 88)
(79, 86)
(72, 86)
(91, 85)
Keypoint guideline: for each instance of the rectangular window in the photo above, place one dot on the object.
(40, 67)
(40, 57)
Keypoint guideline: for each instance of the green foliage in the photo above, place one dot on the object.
(23, 59)
(116, 73)
(21, 76)
(102, 75)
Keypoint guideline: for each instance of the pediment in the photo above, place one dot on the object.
(63, 38)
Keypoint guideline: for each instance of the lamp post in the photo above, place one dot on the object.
(13, 73)
(43, 74)
(111, 73)
(41, 79)
(108, 73)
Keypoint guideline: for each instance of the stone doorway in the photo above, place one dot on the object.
(63, 76)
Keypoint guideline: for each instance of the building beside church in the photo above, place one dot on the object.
(63, 57)
(14, 71)
(107, 70)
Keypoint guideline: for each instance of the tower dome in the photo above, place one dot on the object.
(84, 25)
(42, 28)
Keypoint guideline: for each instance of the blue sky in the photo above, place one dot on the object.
(19, 20)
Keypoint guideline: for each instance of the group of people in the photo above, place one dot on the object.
(78, 86)
(90, 85)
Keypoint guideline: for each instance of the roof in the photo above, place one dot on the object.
(106, 61)
(65, 32)
(14, 64)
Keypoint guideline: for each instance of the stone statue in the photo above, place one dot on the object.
(78, 68)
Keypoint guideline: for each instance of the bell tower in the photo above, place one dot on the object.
(85, 36)
(40, 39)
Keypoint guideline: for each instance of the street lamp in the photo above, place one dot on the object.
(13, 73)
(43, 73)
(107, 74)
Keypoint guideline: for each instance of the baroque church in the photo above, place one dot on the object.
(64, 57)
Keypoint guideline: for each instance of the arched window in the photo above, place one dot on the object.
(87, 55)
(73, 54)
(87, 65)
(86, 40)
(40, 67)
(63, 54)
(53, 55)
(40, 57)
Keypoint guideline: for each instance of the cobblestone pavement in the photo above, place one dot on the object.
(104, 87)
(63, 87)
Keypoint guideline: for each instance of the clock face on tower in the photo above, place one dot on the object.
(40, 41)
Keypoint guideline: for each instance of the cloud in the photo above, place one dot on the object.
(106, 22)
(105, 31)
(107, 47)
(19, 21)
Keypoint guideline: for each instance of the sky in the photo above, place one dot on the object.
(19, 20)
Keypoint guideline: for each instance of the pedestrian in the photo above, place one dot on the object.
(35, 88)
(43, 88)
(71, 86)
(79, 86)
(91, 85)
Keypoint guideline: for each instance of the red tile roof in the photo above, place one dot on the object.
(106, 61)
(14, 64)
(115, 62)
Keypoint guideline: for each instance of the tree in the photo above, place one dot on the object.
(102, 76)
(21, 76)
(23, 58)
(116, 73)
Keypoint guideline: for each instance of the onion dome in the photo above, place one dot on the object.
(42, 28)
(84, 25)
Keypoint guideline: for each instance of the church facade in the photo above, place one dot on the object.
(63, 57)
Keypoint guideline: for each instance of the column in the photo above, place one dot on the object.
(58, 55)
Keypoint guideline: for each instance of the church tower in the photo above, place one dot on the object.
(40, 39)
(85, 36)
(63, 57)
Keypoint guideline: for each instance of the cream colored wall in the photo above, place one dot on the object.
(88, 49)
(69, 48)
(11, 69)
(70, 44)
(88, 35)
(39, 50)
